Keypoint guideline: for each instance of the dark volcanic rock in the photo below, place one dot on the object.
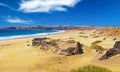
(72, 50)
(57, 46)
(37, 41)
(117, 45)
(68, 52)
(112, 52)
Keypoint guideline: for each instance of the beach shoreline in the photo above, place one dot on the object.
(30, 36)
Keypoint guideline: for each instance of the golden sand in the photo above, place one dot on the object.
(16, 56)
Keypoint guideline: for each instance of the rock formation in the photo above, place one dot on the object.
(112, 52)
(67, 48)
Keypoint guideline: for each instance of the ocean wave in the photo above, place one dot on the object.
(31, 35)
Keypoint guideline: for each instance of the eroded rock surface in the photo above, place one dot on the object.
(67, 48)
(112, 52)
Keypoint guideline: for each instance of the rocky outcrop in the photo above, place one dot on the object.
(67, 48)
(117, 45)
(112, 52)
(37, 41)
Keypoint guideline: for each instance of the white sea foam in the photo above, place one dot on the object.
(32, 35)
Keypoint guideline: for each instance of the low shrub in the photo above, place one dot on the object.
(91, 68)
(95, 36)
(84, 36)
(97, 41)
(97, 48)
(104, 38)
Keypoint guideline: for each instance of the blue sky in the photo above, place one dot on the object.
(59, 12)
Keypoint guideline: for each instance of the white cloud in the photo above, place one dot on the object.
(2, 4)
(18, 20)
(5, 5)
(46, 5)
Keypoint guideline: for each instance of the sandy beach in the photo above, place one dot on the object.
(59, 35)
(18, 55)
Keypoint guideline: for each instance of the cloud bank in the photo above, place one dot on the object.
(17, 20)
(29, 6)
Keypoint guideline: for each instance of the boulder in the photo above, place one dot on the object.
(112, 52)
(66, 48)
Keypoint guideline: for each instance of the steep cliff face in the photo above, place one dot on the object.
(67, 48)
(112, 52)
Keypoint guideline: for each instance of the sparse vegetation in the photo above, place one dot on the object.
(115, 39)
(84, 36)
(91, 68)
(70, 38)
(97, 41)
(97, 48)
(95, 36)
(104, 38)
(81, 32)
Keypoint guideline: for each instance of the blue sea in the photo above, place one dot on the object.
(13, 34)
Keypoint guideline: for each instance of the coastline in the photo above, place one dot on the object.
(30, 36)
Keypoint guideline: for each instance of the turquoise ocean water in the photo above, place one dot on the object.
(12, 34)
